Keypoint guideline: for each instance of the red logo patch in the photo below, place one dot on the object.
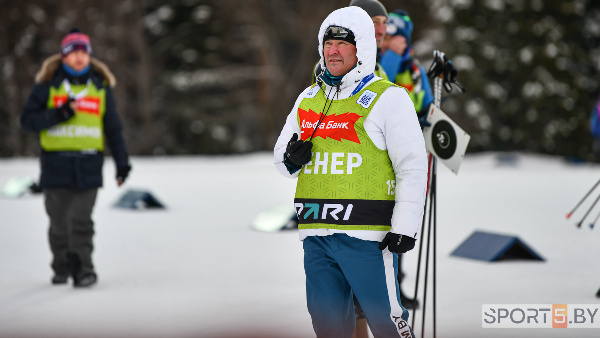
(337, 127)
(87, 105)
(90, 105)
(59, 100)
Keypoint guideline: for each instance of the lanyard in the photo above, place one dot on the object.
(363, 83)
(79, 95)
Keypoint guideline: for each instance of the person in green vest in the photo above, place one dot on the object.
(72, 109)
(400, 64)
(354, 143)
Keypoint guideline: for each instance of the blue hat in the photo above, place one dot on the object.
(399, 23)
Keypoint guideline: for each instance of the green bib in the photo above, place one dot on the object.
(349, 182)
(84, 131)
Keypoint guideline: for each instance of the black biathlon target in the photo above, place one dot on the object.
(443, 139)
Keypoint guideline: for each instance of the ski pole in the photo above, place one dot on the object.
(427, 198)
(434, 215)
(583, 199)
(588, 212)
(430, 220)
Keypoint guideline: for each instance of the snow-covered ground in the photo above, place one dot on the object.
(197, 269)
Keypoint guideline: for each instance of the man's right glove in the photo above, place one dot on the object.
(297, 154)
(65, 111)
(397, 243)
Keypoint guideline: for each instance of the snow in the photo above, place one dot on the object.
(197, 269)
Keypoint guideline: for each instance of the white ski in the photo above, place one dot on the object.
(276, 218)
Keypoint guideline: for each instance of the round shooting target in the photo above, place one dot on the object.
(443, 139)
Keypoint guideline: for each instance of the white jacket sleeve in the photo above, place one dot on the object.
(393, 125)
(291, 126)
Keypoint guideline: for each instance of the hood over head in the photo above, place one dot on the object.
(359, 22)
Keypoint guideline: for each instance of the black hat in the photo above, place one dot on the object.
(339, 33)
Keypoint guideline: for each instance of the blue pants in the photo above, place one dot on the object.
(338, 265)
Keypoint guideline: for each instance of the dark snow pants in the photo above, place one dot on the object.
(71, 226)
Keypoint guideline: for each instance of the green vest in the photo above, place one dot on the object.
(84, 131)
(349, 182)
(412, 82)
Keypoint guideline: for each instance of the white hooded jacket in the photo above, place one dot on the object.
(392, 125)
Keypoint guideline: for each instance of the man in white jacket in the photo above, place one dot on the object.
(354, 143)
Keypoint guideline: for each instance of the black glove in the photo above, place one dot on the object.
(34, 188)
(397, 243)
(422, 115)
(297, 154)
(65, 112)
(123, 172)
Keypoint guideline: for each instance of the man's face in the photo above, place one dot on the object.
(380, 22)
(340, 56)
(77, 60)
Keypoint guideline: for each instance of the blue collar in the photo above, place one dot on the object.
(362, 83)
(74, 72)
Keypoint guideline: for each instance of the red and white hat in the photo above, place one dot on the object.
(75, 40)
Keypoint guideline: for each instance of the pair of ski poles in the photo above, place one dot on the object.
(578, 224)
(444, 75)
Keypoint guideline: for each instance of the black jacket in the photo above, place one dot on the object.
(73, 170)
